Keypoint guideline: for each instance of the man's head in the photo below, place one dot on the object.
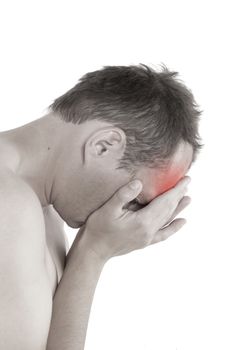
(133, 122)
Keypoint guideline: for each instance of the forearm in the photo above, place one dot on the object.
(73, 299)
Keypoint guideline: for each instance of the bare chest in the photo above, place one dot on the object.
(56, 243)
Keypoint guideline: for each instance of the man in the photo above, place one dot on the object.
(73, 165)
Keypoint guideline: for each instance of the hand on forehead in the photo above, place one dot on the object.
(168, 180)
(157, 182)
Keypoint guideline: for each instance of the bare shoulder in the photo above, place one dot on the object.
(24, 223)
(20, 207)
(12, 185)
(25, 294)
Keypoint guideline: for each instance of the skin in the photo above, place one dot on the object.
(74, 168)
(157, 181)
(71, 168)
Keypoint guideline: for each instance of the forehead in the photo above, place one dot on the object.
(157, 181)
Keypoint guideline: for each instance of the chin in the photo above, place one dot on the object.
(74, 224)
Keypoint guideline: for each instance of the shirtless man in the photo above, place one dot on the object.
(53, 171)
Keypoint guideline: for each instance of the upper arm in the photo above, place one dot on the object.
(25, 293)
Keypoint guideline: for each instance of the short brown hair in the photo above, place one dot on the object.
(154, 109)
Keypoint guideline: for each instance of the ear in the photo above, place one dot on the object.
(105, 142)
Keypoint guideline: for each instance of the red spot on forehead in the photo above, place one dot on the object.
(168, 180)
(158, 181)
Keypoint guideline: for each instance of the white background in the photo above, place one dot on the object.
(176, 295)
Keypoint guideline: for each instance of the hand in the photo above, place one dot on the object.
(112, 230)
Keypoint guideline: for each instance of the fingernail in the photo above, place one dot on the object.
(135, 184)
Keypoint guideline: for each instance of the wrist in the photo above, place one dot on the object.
(82, 250)
(90, 249)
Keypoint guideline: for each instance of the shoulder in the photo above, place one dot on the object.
(11, 183)
(13, 187)
(25, 294)
(21, 212)
(9, 155)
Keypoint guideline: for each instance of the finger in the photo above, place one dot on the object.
(166, 232)
(184, 202)
(123, 196)
(178, 189)
(168, 200)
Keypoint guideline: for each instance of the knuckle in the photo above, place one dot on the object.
(165, 235)
(184, 191)
(168, 205)
(157, 237)
(167, 200)
(147, 238)
(148, 221)
(143, 231)
(141, 224)
(118, 195)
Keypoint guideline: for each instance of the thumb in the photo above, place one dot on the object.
(124, 195)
